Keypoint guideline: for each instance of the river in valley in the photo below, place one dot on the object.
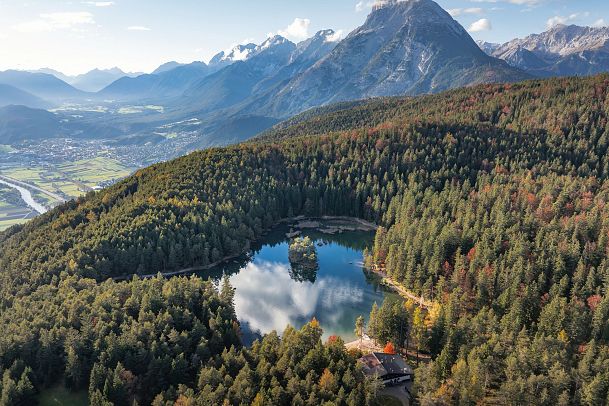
(269, 294)
(26, 196)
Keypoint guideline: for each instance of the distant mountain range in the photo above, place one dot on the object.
(10, 95)
(406, 47)
(15, 121)
(563, 50)
(166, 83)
(92, 81)
(42, 85)
(97, 79)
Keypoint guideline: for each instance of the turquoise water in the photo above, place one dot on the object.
(268, 296)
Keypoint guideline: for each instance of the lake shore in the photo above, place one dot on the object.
(365, 345)
(357, 225)
(401, 290)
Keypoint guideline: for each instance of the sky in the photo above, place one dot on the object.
(75, 36)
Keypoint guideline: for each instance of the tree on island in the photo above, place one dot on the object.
(303, 260)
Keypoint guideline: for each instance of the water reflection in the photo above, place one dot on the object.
(267, 298)
(269, 295)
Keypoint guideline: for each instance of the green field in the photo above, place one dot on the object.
(140, 109)
(68, 179)
(71, 179)
(4, 224)
(60, 396)
(5, 149)
(93, 171)
(12, 210)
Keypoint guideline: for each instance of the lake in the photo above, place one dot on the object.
(269, 295)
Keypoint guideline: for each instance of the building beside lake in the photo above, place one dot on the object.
(390, 368)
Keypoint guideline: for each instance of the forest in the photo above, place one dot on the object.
(491, 202)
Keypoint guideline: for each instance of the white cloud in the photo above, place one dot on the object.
(99, 3)
(138, 28)
(599, 23)
(460, 11)
(525, 2)
(363, 5)
(483, 24)
(337, 36)
(56, 21)
(517, 2)
(556, 20)
(263, 307)
(298, 30)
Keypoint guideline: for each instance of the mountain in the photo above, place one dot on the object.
(236, 82)
(404, 47)
(488, 47)
(18, 123)
(493, 206)
(563, 50)
(166, 67)
(237, 53)
(42, 85)
(98, 79)
(56, 73)
(305, 55)
(159, 86)
(10, 95)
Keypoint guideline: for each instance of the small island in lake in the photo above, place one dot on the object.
(303, 260)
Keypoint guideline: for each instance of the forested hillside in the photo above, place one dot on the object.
(491, 201)
(556, 106)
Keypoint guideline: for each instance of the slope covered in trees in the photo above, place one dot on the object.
(491, 202)
(557, 106)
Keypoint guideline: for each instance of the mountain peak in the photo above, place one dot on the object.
(273, 41)
(384, 4)
(317, 46)
(328, 35)
(392, 15)
(244, 52)
(166, 67)
(405, 47)
(238, 53)
(560, 41)
(380, 4)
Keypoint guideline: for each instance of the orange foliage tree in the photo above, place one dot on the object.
(389, 349)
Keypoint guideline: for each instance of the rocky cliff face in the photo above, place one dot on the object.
(561, 51)
(404, 47)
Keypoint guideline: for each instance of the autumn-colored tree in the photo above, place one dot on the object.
(418, 329)
(389, 349)
(327, 382)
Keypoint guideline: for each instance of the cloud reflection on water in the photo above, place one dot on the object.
(267, 299)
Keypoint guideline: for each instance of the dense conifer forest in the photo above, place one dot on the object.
(492, 203)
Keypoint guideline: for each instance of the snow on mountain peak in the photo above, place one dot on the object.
(561, 40)
(271, 42)
(238, 53)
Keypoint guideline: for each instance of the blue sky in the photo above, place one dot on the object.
(138, 35)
